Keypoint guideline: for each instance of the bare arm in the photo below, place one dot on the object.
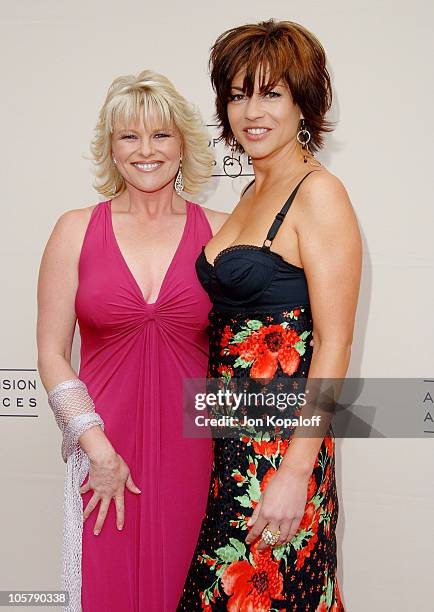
(331, 252)
(57, 287)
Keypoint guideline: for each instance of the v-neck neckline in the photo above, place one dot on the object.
(172, 261)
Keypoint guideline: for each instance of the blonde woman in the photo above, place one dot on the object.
(124, 269)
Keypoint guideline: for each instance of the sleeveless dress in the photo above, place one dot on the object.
(134, 357)
(261, 327)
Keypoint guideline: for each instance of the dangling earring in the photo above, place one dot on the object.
(114, 188)
(179, 181)
(303, 137)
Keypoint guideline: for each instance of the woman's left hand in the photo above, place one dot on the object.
(281, 506)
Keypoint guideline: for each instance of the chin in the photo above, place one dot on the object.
(151, 188)
(148, 186)
(259, 153)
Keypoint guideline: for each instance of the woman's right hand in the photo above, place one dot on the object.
(108, 478)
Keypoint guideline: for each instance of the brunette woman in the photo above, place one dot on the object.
(285, 267)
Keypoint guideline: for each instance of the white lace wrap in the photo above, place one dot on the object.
(74, 412)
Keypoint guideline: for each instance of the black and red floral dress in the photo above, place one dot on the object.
(260, 329)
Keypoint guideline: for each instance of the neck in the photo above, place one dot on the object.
(282, 165)
(154, 204)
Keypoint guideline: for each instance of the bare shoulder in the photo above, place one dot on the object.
(69, 231)
(215, 218)
(74, 219)
(325, 221)
(73, 223)
(323, 195)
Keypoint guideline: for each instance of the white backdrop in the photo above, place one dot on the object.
(57, 60)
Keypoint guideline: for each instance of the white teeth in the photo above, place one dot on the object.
(147, 166)
(256, 131)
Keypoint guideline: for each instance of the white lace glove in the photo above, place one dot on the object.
(74, 412)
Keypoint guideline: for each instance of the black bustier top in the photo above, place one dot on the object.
(248, 278)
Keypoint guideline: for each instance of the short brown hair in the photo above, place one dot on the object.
(288, 52)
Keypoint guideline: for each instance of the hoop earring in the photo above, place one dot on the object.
(303, 137)
(179, 181)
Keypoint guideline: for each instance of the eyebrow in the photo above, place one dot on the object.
(126, 129)
(242, 90)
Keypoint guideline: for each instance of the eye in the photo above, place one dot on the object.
(162, 135)
(128, 136)
(236, 97)
(272, 94)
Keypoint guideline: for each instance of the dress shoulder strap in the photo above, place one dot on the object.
(278, 220)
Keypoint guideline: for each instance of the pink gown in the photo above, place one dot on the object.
(134, 356)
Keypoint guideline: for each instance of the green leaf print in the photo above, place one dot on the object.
(227, 376)
(254, 324)
(304, 335)
(279, 551)
(244, 501)
(240, 336)
(227, 553)
(300, 347)
(240, 363)
(329, 594)
(297, 540)
(239, 546)
(254, 490)
(263, 437)
(317, 500)
(220, 570)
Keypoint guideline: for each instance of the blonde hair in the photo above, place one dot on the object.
(131, 98)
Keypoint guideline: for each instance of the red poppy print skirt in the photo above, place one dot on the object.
(225, 572)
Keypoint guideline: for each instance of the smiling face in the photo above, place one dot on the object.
(147, 156)
(266, 122)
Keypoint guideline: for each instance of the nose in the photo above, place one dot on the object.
(146, 146)
(254, 108)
